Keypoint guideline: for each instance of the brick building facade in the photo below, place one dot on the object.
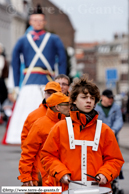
(113, 55)
(100, 57)
(86, 55)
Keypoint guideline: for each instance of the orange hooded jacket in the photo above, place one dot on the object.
(58, 159)
(32, 117)
(33, 144)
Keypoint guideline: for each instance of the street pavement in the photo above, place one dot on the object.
(124, 146)
(9, 159)
(124, 136)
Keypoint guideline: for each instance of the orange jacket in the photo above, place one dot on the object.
(58, 159)
(33, 144)
(32, 117)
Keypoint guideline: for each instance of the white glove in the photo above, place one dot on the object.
(65, 179)
(16, 89)
(103, 179)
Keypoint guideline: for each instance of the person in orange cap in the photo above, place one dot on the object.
(50, 88)
(58, 108)
(82, 144)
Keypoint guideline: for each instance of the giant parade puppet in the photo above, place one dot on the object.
(39, 49)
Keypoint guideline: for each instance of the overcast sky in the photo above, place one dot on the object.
(96, 20)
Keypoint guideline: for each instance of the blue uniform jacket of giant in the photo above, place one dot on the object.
(54, 48)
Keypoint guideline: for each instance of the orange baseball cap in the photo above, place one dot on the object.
(53, 86)
(57, 98)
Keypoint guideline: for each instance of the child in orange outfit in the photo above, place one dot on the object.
(87, 146)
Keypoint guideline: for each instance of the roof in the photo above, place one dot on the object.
(86, 45)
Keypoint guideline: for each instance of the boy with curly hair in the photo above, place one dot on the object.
(82, 144)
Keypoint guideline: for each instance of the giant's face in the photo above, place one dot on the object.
(37, 21)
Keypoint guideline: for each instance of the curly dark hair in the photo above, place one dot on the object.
(83, 85)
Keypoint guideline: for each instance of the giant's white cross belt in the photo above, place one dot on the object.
(38, 55)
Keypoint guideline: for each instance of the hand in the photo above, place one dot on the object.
(103, 179)
(35, 183)
(65, 179)
(28, 183)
